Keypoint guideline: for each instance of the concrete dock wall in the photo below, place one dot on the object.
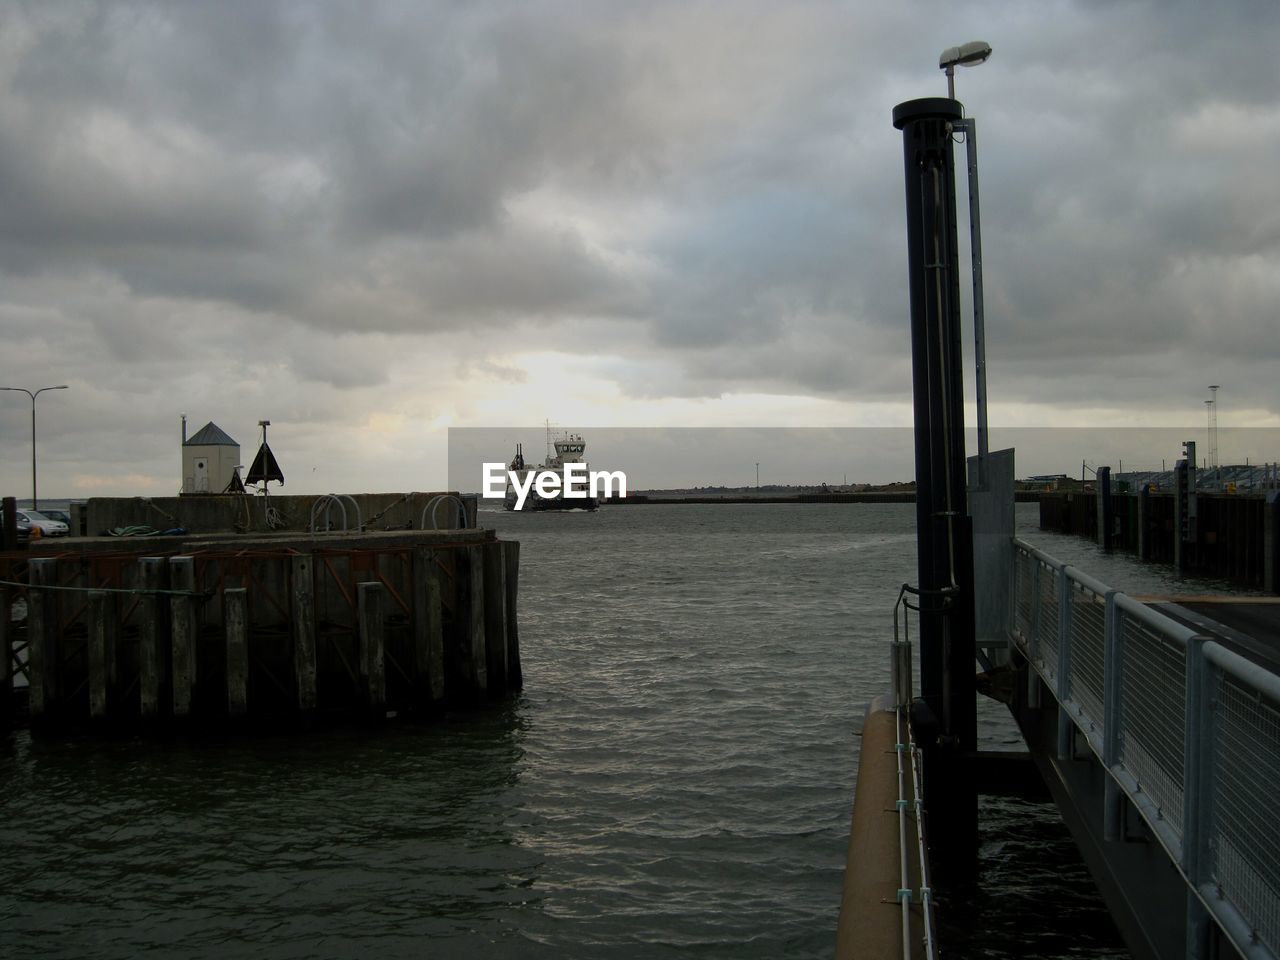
(238, 513)
(871, 918)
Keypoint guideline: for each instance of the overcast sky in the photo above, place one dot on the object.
(371, 222)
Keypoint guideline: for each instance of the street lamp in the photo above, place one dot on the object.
(35, 504)
(966, 55)
(970, 55)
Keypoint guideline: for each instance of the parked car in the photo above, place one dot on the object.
(47, 526)
(58, 515)
(23, 526)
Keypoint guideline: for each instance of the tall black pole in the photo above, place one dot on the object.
(943, 530)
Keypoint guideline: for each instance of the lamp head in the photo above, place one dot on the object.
(966, 55)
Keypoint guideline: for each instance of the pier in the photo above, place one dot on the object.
(221, 628)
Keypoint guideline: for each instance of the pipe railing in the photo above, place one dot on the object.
(1187, 730)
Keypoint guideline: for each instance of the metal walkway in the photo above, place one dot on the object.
(1176, 737)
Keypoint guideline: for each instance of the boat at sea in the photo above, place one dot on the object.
(561, 449)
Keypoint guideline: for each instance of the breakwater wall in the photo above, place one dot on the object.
(241, 513)
(868, 496)
(215, 629)
(1234, 537)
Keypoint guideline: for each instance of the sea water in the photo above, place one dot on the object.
(675, 780)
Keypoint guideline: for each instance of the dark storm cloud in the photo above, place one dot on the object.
(700, 198)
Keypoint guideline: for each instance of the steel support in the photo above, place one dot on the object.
(943, 530)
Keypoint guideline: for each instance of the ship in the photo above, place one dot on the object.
(565, 448)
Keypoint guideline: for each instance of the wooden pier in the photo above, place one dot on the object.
(224, 628)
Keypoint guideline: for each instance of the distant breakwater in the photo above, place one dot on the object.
(864, 496)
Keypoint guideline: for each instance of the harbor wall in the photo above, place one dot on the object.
(165, 631)
(242, 513)
(1234, 538)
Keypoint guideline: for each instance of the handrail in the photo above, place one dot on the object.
(1191, 756)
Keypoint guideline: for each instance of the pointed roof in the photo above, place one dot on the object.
(210, 435)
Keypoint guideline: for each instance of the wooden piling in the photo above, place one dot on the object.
(1144, 522)
(235, 619)
(459, 640)
(495, 619)
(150, 662)
(372, 649)
(1271, 542)
(42, 639)
(96, 615)
(304, 632)
(6, 658)
(511, 557)
(428, 627)
(182, 613)
(471, 615)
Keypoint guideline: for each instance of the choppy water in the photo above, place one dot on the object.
(675, 781)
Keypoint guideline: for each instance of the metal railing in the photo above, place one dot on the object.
(1188, 731)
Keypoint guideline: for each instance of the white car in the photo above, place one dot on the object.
(48, 527)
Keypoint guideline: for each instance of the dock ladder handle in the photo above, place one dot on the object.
(435, 503)
(328, 501)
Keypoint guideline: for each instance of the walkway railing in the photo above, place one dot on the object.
(1188, 731)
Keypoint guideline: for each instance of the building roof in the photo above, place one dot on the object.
(210, 435)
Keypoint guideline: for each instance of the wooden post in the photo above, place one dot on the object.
(42, 639)
(471, 620)
(495, 618)
(372, 651)
(150, 664)
(6, 658)
(1144, 522)
(515, 672)
(1271, 542)
(96, 615)
(304, 633)
(236, 604)
(182, 612)
(8, 524)
(428, 627)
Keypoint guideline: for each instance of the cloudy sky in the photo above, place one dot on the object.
(372, 222)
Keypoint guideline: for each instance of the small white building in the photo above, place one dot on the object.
(209, 460)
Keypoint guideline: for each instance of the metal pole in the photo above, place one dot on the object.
(943, 531)
(970, 127)
(35, 504)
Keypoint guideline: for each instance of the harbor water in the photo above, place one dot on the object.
(675, 780)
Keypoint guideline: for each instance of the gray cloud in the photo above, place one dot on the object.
(345, 213)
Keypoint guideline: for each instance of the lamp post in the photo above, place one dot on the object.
(35, 504)
(970, 55)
